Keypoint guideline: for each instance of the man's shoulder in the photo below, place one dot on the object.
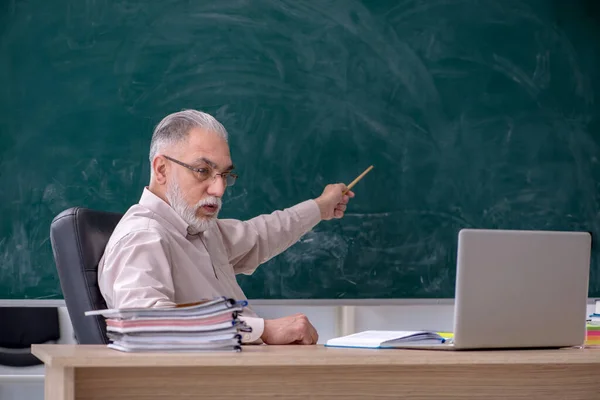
(137, 221)
(138, 227)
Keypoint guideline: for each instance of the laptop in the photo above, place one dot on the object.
(519, 289)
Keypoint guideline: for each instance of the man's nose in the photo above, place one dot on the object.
(217, 186)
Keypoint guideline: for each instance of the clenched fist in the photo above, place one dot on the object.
(332, 202)
(295, 329)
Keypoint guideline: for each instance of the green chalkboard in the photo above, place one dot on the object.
(475, 113)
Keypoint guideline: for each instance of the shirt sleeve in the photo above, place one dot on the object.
(258, 327)
(253, 242)
(138, 269)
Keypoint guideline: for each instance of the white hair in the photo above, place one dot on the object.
(175, 127)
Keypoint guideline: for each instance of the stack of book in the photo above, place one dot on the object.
(593, 327)
(210, 325)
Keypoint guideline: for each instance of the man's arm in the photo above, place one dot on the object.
(253, 242)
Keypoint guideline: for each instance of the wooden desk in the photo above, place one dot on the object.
(316, 372)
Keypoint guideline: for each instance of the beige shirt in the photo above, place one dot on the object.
(152, 261)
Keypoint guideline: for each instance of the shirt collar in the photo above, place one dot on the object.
(163, 210)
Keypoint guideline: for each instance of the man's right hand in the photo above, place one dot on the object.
(295, 329)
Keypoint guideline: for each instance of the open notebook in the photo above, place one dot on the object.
(388, 339)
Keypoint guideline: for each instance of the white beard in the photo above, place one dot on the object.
(188, 213)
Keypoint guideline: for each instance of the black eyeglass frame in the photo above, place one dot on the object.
(228, 177)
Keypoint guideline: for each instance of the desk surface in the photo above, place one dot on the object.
(100, 356)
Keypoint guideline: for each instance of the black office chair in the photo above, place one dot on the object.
(79, 236)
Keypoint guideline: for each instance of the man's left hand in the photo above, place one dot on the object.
(333, 202)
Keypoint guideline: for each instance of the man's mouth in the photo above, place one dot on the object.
(210, 208)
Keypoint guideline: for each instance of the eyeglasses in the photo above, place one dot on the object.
(205, 173)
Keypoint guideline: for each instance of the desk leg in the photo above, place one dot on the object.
(59, 383)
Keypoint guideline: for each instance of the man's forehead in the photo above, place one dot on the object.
(207, 148)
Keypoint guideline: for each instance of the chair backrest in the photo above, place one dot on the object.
(79, 237)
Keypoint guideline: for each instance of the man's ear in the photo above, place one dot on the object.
(159, 167)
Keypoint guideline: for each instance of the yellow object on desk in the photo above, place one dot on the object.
(446, 335)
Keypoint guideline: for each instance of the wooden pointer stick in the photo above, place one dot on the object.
(358, 178)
